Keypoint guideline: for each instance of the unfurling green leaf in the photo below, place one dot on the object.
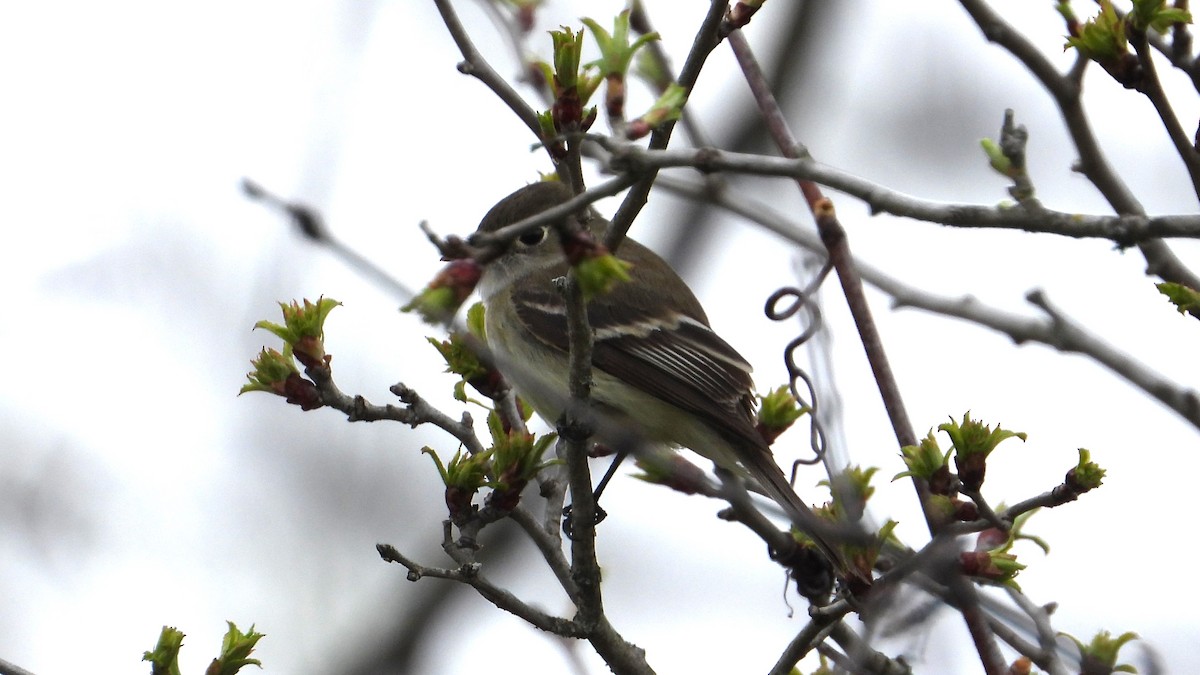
(924, 460)
(271, 370)
(992, 566)
(164, 660)
(1100, 655)
(303, 329)
(1185, 299)
(441, 299)
(616, 51)
(778, 411)
(667, 108)
(598, 274)
(973, 441)
(516, 459)
(1155, 15)
(236, 648)
(1086, 475)
(996, 157)
(1101, 38)
(851, 488)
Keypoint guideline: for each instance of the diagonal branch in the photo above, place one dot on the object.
(469, 574)
(814, 633)
(833, 236)
(1160, 259)
(475, 65)
(707, 38)
(1152, 88)
(1066, 336)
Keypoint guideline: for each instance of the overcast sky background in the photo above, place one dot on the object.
(136, 490)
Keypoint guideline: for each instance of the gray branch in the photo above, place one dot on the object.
(1055, 329)
(1124, 230)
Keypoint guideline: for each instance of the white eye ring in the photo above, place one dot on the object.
(533, 238)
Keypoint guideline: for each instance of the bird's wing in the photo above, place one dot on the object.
(675, 357)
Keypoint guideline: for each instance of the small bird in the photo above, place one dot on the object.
(657, 364)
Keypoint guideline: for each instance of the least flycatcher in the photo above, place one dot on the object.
(656, 362)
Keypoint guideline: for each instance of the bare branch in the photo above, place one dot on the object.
(834, 237)
(1029, 216)
(1152, 88)
(707, 38)
(416, 411)
(7, 668)
(489, 244)
(469, 574)
(864, 658)
(550, 546)
(1066, 336)
(475, 65)
(1065, 90)
(1047, 654)
(311, 225)
(813, 634)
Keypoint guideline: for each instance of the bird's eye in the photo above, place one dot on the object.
(533, 238)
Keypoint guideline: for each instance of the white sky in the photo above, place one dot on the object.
(137, 491)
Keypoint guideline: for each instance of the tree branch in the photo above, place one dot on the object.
(1152, 88)
(834, 239)
(575, 433)
(1161, 260)
(469, 574)
(1029, 216)
(814, 633)
(416, 411)
(7, 668)
(1065, 336)
(707, 38)
(475, 65)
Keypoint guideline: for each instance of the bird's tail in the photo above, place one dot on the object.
(822, 532)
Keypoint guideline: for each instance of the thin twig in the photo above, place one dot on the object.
(469, 574)
(834, 238)
(475, 65)
(1068, 336)
(1047, 657)
(311, 225)
(1065, 90)
(7, 668)
(813, 634)
(1019, 328)
(864, 658)
(1006, 620)
(1179, 50)
(416, 410)
(639, 20)
(490, 244)
(1152, 88)
(986, 513)
(707, 38)
(549, 546)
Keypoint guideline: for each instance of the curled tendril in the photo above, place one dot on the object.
(801, 299)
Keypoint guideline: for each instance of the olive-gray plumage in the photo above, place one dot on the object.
(657, 363)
